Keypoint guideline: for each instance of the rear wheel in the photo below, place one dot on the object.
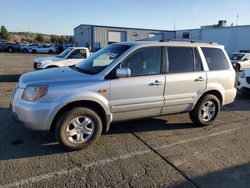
(50, 51)
(10, 49)
(34, 51)
(205, 111)
(78, 128)
(237, 67)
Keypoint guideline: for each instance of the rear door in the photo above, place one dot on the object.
(185, 79)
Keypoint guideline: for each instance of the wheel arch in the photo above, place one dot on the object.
(214, 92)
(83, 103)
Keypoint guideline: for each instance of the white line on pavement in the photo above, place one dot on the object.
(113, 159)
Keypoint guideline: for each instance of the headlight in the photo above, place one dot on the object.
(34, 93)
(242, 74)
(38, 64)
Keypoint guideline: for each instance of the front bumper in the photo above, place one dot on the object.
(34, 115)
(243, 85)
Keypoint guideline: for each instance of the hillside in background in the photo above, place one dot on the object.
(33, 37)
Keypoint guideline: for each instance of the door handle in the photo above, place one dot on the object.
(156, 83)
(200, 79)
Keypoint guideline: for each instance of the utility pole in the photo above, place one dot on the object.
(237, 19)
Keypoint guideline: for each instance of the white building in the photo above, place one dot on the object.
(234, 38)
(97, 36)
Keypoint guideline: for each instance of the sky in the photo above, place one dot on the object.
(62, 16)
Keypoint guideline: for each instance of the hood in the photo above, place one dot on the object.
(50, 76)
(47, 59)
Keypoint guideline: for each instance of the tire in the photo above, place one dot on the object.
(69, 130)
(34, 51)
(207, 117)
(51, 52)
(50, 67)
(10, 49)
(25, 50)
(237, 67)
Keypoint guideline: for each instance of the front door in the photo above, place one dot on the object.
(141, 94)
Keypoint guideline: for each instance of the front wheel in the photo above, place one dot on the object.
(78, 128)
(205, 111)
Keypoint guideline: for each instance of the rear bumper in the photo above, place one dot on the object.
(230, 96)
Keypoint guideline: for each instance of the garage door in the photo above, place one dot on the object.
(116, 36)
(155, 36)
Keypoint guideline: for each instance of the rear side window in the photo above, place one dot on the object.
(180, 59)
(216, 59)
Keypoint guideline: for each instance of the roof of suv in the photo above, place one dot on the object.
(173, 43)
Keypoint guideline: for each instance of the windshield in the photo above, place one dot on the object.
(65, 53)
(101, 59)
(236, 56)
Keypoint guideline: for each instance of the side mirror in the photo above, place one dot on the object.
(123, 72)
(245, 59)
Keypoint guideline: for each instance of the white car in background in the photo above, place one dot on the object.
(43, 49)
(70, 56)
(240, 61)
(244, 82)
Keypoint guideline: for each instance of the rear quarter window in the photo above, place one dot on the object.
(216, 59)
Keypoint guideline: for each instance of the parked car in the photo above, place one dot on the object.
(27, 47)
(240, 61)
(9, 46)
(125, 81)
(70, 56)
(43, 49)
(243, 84)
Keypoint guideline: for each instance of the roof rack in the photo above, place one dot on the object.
(185, 40)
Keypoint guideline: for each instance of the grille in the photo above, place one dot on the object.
(248, 79)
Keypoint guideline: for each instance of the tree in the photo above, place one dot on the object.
(71, 39)
(54, 38)
(4, 33)
(40, 38)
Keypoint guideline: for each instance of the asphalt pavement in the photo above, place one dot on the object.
(166, 151)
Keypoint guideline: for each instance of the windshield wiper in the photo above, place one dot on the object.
(79, 69)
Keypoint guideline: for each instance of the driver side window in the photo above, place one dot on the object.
(145, 61)
(78, 54)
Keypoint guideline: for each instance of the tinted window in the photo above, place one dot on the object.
(180, 59)
(215, 58)
(198, 63)
(146, 61)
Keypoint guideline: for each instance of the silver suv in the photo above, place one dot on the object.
(125, 81)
